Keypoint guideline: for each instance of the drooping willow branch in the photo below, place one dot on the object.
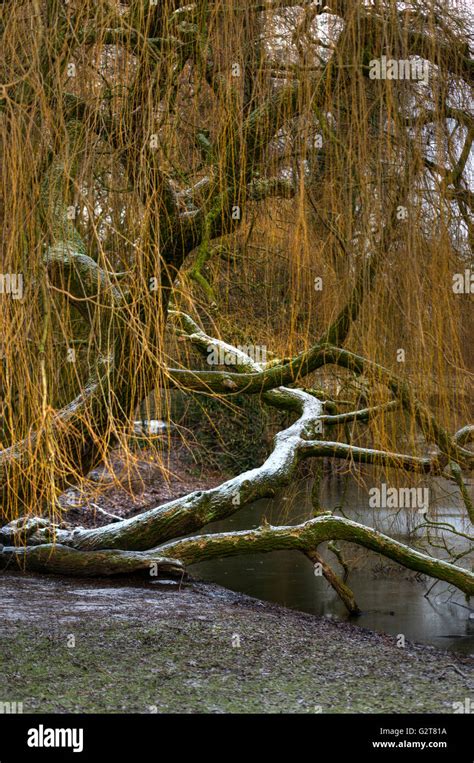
(160, 46)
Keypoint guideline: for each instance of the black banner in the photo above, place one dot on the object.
(129, 737)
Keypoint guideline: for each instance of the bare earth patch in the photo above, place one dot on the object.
(155, 647)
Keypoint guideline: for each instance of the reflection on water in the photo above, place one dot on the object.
(392, 599)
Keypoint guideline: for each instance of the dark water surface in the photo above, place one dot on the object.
(392, 599)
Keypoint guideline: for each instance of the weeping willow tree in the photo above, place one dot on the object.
(181, 179)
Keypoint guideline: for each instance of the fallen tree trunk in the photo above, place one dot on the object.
(150, 538)
(174, 556)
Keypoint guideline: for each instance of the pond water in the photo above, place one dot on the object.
(391, 598)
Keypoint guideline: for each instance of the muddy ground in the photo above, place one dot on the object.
(141, 647)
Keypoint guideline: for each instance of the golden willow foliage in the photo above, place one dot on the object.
(222, 156)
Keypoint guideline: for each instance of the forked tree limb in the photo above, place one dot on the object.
(136, 543)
